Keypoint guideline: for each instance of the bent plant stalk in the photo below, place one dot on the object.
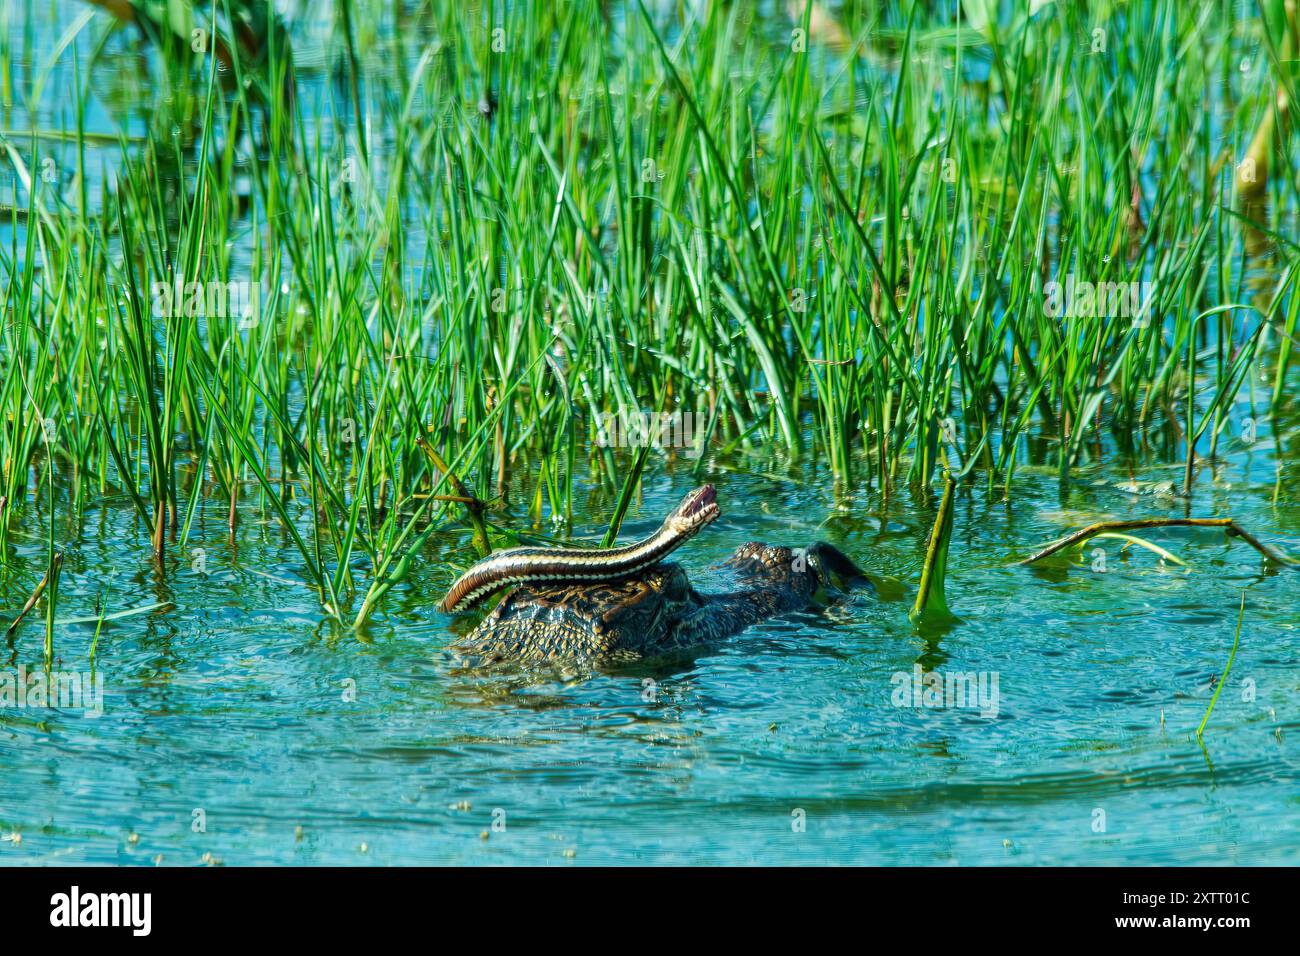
(1233, 529)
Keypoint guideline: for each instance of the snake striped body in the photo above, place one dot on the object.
(532, 565)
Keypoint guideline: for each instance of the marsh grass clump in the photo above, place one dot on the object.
(828, 235)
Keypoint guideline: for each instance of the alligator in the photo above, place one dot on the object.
(654, 610)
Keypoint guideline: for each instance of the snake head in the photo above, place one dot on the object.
(696, 510)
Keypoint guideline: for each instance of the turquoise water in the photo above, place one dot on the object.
(235, 702)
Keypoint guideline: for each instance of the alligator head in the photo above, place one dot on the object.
(656, 610)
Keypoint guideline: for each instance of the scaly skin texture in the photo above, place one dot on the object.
(655, 611)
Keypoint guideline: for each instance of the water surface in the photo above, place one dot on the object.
(237, 702)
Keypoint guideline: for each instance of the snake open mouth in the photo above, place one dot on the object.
(699, 507)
